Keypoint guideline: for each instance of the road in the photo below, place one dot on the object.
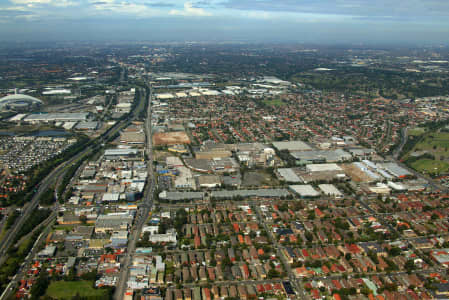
(395, 157)
(32, 205)
(55, 176)
(143, 210)
(28, 260)
(398, 149)
(44, 185)
(293, 280)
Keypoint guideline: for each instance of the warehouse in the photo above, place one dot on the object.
(307, 157)
(132, 138)
(288, 175)
(209, 181)
(330, 190)
(110, 197)
(111, 154)
(87, 126)
(106, 223)
(304, 191)
(181, 196)
(292, 146)
(57, 117)
(264, 193)
(396, 170)
(323, 167)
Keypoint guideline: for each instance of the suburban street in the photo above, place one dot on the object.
(293, 280)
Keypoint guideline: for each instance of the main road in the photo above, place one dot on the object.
(143, 210)
(50, 179)
(395, 157)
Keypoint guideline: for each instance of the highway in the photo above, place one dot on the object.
(143, 209)
(29, 258)
(54, 177)
(32, 205)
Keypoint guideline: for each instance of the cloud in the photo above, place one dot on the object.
(34, 3)
(190, 11)
(159, 4)
(112, 8)
(13, 12)
(31, 1)
(395, 8)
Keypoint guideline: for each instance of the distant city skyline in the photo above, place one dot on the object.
(344, 21)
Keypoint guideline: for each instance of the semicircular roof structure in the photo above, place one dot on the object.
(11, 99)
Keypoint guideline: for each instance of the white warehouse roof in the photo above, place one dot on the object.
(323, 167)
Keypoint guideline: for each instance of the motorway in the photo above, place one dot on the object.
(143, 209)
(32, 205)
(53, 177)
(29, 258)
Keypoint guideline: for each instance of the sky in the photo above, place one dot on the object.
(302, 21)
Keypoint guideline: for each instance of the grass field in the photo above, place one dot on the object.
(63, 227)
(435, 144)
(416, 131)
(431, 166)
(68, 289)
(274, 102)
(438, 141)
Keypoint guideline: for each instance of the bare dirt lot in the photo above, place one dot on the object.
(170, 138)
(355, 173)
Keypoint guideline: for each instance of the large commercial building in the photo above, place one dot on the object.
(18, 101)
(57, 117)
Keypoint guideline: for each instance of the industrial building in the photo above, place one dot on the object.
(57, 117)
(263, 193)
(181, 196)
(330, 156)
(304, 191)
(292, 146)
(323, 167)
(330, 190)
(288, 175)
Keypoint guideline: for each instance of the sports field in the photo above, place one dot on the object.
(69, 289)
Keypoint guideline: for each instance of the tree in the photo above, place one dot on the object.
(40, 287)
(394, 251)
(272, 273)
(409, 265)
(83, 219)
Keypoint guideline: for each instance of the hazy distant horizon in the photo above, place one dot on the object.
(414, 22)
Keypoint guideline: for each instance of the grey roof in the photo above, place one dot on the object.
(288, 175)
(177, 196)
(250, 193)
(119, 152)
(304, 190)
(330, 189)
(113, 220)
(292, 146)
(396, 170)
(87, 125)
(326, 155)
(58, 117)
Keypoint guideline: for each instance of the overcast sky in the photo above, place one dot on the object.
(309, 21)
